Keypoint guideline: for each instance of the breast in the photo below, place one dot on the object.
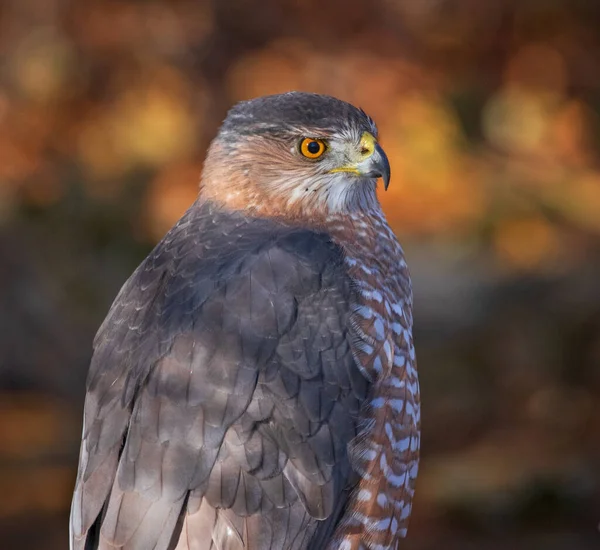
(386, 452)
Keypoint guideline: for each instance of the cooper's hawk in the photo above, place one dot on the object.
(254, 384)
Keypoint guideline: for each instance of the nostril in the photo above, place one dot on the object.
(367, 145)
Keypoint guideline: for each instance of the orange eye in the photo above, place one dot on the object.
(312, 148)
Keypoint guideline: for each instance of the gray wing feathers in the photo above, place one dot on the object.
(222, 394)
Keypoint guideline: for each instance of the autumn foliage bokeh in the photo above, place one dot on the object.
(478, 106)
(489, 112)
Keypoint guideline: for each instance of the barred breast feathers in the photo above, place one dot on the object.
(385, 454)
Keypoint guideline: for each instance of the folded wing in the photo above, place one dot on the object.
(222, 394)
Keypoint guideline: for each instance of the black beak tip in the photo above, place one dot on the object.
(386, 181)
(385, 171)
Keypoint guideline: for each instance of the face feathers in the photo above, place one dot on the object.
(256, 161)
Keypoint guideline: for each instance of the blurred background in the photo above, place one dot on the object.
(490, 114)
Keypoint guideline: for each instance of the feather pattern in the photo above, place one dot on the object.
(254, 384)
(385, 453)
(223, 391)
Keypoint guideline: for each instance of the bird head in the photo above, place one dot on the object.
(295, 154)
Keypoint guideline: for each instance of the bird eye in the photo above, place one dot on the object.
(312, 148)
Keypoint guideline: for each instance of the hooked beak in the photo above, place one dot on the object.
(376, 165)
(373, 161)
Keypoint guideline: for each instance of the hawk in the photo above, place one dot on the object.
(254, 384)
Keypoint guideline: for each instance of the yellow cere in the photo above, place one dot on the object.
(366, 149)
(367, 144)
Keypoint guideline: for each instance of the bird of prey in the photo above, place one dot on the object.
(254, 384)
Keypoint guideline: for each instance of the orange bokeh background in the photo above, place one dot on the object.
(489, 112)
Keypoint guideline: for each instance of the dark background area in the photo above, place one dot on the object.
(490, 113)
